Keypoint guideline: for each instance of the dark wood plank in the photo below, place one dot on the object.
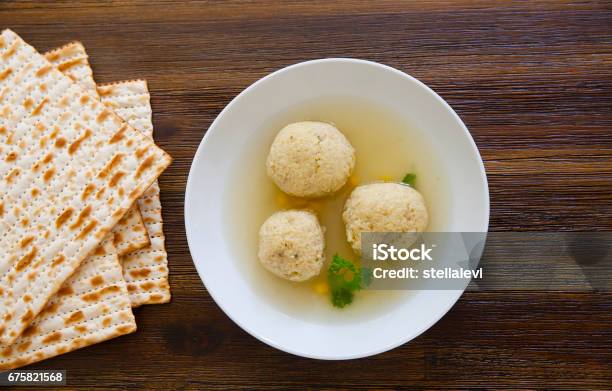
(533, 82)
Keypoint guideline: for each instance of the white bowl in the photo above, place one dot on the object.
(205, 219)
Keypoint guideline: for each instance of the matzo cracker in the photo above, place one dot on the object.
(71, 59)
(70, 169)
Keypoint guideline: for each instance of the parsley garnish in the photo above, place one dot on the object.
(409, 179)
(344, 279)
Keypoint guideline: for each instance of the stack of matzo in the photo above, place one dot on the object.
(76, 251)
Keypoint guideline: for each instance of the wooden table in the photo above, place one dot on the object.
(532, 81)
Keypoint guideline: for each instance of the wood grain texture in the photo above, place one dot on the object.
(531, 80)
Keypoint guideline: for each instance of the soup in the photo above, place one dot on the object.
(386, 148)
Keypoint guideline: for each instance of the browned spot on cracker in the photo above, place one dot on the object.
(131, 248)
(97, 280)
(81, 329)
(69, 64)
(99, 251)
(27, 298)
(78, 341)
(58, 260)
(65, 291)
(148, 162)
(53, 56)
(23, 346)
(25, 241)
(50, 308)
(131, 288)
(107, 321)
(135, 193)
(119, 135)
(35, 266)
(39, 107)
(116, 178)
(5, 73)
(60, 142)
(25, 222)
(100, 193)
(121, 192)
(61, 219)
(87, 191)
(11, 156)
(140, 152)
(110, 165)
(147, 285)
(88, 228)
(11, 175)
(53, 337)
(1, 209)
(43, 70)
(124, 329)
(6, 352)
(81, 218)
(84, 99)
(26, 260)
(11, 50)
(156, 298)
(105, 91)
(77, 143)
(48, 157)
(118, 238)
(103, 115)
(102, 232)
(35, 192)
(119, 212)
(75, 317)
(28, 316)
(28, 103)
(124, 315)
(54, 132)
(48, 174)
(94, 296)
(141, 273)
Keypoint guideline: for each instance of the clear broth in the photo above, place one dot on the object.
(386, 147)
